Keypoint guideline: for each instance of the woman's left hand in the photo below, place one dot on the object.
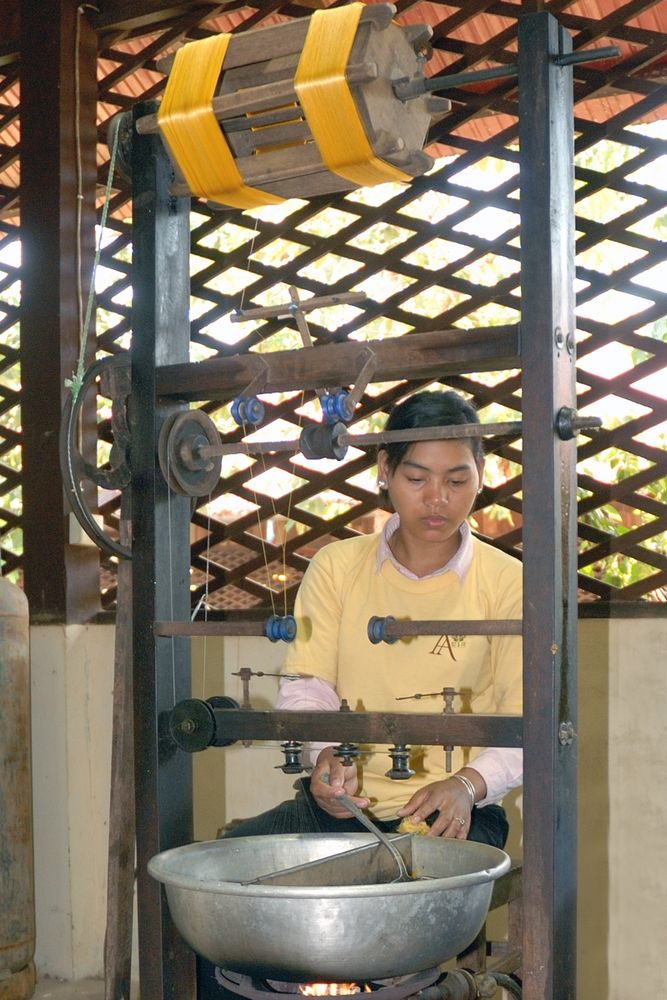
(448, 798)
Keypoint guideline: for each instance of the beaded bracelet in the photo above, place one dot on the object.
(469, 787)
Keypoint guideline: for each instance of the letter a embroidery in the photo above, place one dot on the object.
(443, 643)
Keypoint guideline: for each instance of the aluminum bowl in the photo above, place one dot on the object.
(330, 932)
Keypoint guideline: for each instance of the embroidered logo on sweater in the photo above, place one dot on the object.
(448, 643)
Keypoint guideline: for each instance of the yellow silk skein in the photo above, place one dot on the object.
(193, 134)
(327, 101)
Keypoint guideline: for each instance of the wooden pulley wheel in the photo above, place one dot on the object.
(185, 470)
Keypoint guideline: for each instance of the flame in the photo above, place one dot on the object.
(329, 989)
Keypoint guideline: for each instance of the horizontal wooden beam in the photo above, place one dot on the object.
(418, 355)
(196, 725)
(129, 15)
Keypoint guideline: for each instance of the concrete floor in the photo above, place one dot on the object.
(57, 989)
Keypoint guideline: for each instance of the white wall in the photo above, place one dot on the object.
(622, 784)
(72, 678)
(623, 808)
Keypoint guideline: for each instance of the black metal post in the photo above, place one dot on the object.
(549, 510)
(161, 563)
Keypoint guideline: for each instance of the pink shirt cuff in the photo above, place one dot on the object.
(308, 694)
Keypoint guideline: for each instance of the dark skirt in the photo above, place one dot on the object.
(302, 814)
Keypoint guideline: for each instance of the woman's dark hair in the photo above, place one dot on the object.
(429, 409)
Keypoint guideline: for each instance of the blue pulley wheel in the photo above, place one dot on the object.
(280, 629)
(337, 406)
(247, 410)
(377, 630)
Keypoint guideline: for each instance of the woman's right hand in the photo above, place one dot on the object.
(330, 779)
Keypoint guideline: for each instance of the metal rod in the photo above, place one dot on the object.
(169, 628)
(405, 90)
(432, 433)
(396, 629)
(367, 440)
(587, 55)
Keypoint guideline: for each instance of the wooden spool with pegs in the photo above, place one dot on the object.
(298, 109)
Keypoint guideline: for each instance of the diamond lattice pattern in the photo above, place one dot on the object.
(439, 253)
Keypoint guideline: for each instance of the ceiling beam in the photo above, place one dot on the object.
(9, 52)
(128, 15)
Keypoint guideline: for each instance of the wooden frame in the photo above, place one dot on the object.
(549, 616)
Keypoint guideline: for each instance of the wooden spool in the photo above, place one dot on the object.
(264, 125)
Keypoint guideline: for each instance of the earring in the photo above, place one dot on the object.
(382, 484)
(480, 490)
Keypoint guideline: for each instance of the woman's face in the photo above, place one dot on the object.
(433, 489)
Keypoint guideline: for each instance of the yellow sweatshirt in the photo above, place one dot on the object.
(342, 589)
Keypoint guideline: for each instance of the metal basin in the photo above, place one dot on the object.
(327, 932)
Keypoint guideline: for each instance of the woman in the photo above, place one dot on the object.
(424, 564)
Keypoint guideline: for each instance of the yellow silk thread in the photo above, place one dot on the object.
(327, 101)
(193, 134)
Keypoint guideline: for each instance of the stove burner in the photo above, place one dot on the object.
(391, 989)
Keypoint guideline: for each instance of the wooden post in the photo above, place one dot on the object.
(58, 88)
(160, 562)
(549, 510)
(121, 861)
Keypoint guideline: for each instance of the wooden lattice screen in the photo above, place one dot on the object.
(441, 253)
(10, 380)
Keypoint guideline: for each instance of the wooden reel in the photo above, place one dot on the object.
(269, 129)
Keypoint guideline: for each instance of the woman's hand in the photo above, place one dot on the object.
(450, 799)
(331, 779)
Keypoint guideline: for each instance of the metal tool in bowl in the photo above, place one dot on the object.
(360, 815)
(369, 864)
(403, 873)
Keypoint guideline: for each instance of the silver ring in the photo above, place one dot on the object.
(460, 820)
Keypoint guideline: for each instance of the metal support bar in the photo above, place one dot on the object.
(549, 508)
(161, 560)
(587, 55)
(405, 90)
(346, 440)
(275, 627)
(393, 629)
(208, 628)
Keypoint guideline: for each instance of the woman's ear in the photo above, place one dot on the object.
(383, 470)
